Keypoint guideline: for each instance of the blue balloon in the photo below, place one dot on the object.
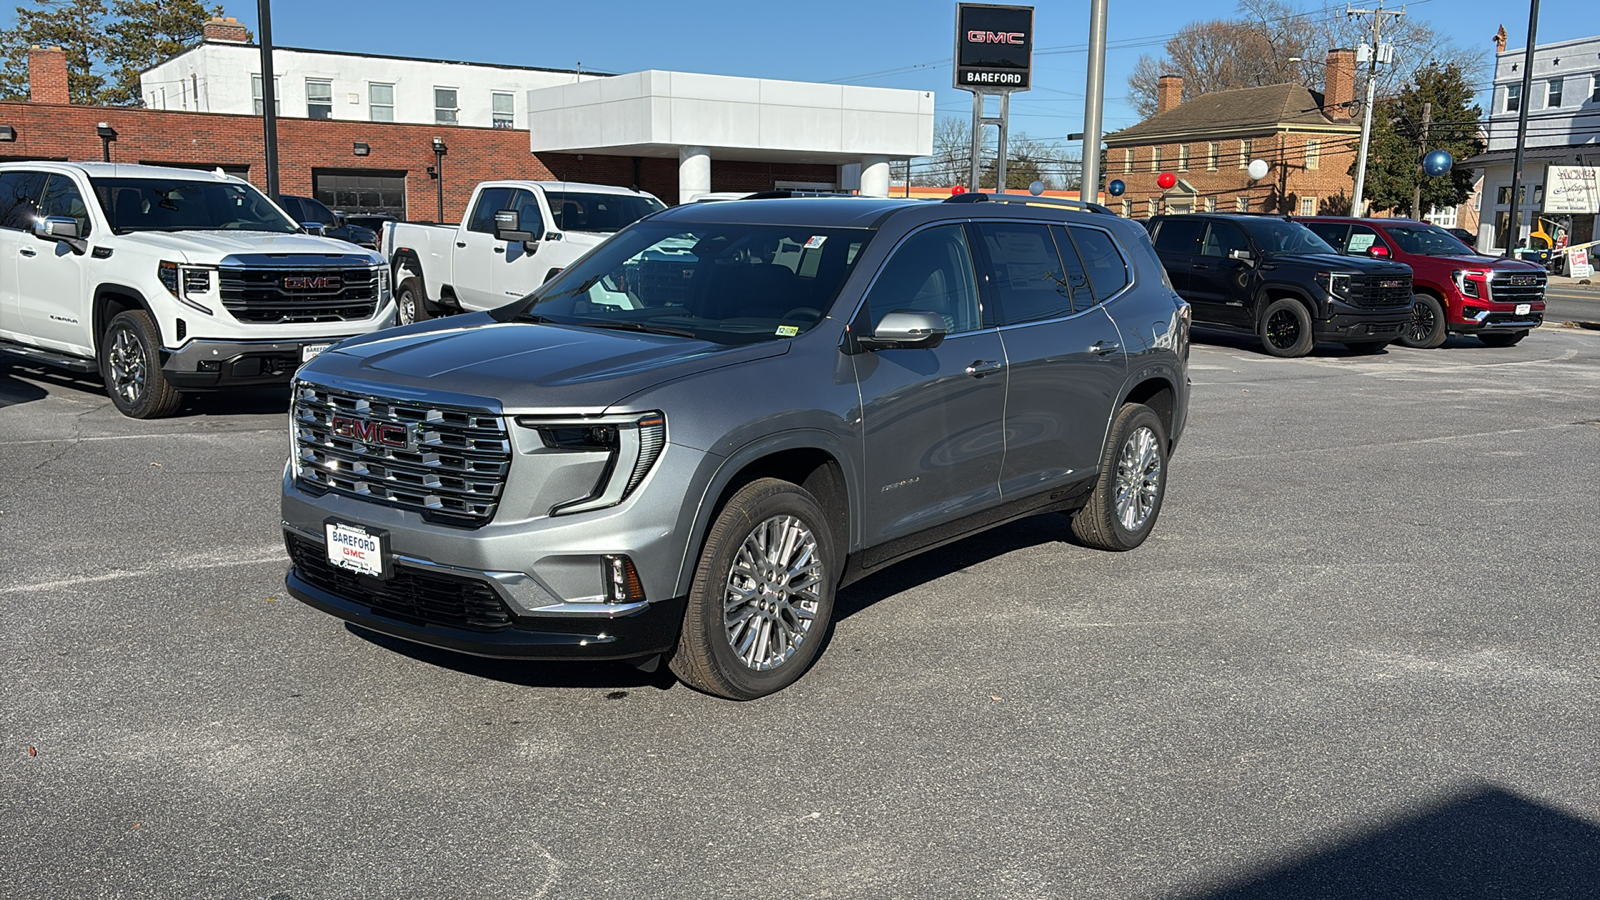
(1116, 187)
(1438, 163)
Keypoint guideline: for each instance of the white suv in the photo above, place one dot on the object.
(171, 280)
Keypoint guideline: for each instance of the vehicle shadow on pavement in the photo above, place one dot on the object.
(1235, 341)
(260, 401)
(526, 673)
(1479, 843)
(15, 392)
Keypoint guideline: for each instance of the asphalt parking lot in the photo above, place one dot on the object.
(1358, 657)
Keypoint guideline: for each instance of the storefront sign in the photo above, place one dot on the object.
(994, 47)
(1578, 264)
(1572, 190)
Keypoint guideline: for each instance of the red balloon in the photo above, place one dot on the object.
(1166, 180)
(958, 189)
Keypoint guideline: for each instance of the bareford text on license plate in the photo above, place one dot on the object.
(353, 547)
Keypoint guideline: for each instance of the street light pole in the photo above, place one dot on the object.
(1358, 202)
(269, 98)
(1094, 103)
(1514, 228)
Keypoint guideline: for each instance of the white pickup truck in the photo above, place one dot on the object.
(171, 280)
(514, 236)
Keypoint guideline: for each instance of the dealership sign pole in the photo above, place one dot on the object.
(994, 55)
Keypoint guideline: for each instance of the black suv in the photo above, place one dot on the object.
(307, 211)
(1277, 279)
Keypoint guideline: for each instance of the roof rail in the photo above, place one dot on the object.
(787, 194)
(1030, 200)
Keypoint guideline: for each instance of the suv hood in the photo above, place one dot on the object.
(209, 247)
(1479, 262)
(523, 366)
(1334, 262)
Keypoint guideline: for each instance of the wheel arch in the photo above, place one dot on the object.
(1158, 391)
(1275, 291)
(110, 299)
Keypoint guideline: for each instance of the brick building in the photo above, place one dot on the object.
(1307, 138)
(357, 165)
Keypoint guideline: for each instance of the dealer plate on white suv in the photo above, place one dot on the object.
(357, 549)
(309, 352)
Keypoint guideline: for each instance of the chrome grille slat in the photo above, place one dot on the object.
(1501, 290)
(257, 294)
(455, 472)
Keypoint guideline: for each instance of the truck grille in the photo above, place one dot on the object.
(433, 598)
(448, 463)
(1380, 291)
(1517, 287)
(299, 295)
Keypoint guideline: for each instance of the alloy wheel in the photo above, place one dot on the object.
(1422, 323)
(1283, 329)
(1138, 478)
(127, 365)
(772, 593)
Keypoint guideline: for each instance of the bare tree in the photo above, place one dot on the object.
(1027, 159)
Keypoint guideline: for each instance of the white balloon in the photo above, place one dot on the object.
(1036, 188)
(1257, 170)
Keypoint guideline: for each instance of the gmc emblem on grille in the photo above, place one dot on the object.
(1524, 280)
(312, 282)
(366, 432)
(1388, 284)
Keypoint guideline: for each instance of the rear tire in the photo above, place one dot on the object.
(1502, 339)
(1127, 497)
(1427, 328)
(411, 302)
(130, 364)
(762, 598)
(1286, 328)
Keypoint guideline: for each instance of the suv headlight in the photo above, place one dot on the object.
(385, 290)
(1467, 282)
(632, 441)
(294, 430)
(185, 282)
(1336, 284)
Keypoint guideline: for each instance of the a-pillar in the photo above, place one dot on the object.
(694, 173)
(874, 176)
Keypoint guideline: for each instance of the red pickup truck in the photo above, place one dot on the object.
(1458, 290)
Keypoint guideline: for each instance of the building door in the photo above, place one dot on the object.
(362, 193)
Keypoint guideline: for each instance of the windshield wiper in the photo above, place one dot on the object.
(640, 326)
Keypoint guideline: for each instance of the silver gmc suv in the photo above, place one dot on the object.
(683, 445)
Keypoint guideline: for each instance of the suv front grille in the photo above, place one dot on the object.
(1380, 291)
(447, 462)
(433, 598)
(265, 295)
(1517, 287)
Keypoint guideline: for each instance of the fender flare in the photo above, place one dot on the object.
(1284, 289)
(99, 318)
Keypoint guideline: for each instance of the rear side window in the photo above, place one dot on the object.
(1108, 270)
(491, 201)
(1180, 236)
(1332, 232)
(1362, 239)
(930, 272)
(1029, 279)
(19, 199)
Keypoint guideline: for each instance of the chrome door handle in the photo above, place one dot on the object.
(1104, 348)
(981, 367)
(27, 251)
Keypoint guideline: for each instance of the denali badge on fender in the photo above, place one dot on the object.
(373, 432)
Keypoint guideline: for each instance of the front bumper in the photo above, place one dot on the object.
(210, 364)
(1490, 321)
(1347, 323)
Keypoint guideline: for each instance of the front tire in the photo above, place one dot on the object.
(411, 302)
(130, 364)
(1502, 339)
(1427, 327)
(1127, 497)
(762, 597)
(1286, 328)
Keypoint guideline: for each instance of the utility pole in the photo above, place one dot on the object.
(1514, 229)
(1358, 205)
(1094, 103)
(269, 99)
(1422, 153)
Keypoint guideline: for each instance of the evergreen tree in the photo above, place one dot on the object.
(147, 32)
(1395, 154)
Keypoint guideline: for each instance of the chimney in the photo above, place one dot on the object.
(1169, 93)
(47, 75)
(229, 30)
(1339, 94)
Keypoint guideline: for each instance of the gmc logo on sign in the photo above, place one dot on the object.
(990, 37)
(366, 432)
(312, 283)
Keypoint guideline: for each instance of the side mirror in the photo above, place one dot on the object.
(56, 228)
(1242, 256)
(1379, 251)
(508, 227)
(907, 328)
(313, 228)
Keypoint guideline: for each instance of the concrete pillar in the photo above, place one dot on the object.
(849, 176)
(874, 176)
(694, 173)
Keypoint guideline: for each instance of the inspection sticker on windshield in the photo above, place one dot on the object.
(788, 330)
(355, 548)
(815, 241)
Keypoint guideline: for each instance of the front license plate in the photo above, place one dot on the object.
(309, 351)
(358, 549)
(1524, 308)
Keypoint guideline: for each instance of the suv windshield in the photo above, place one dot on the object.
(1427, 240)
(171, 204)
(603, 213)
(731, 284)
(1277, 236)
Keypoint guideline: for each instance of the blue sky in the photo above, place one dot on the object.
(901, 44)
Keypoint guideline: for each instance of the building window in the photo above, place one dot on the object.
(1443, 216)
(255, 93)
(1313, 154)
(1513, 97)
(319, 99)
(1244, 154)
(444, 106)
(1127, 160)
(504, 110)
(1538, 195)
(1552, 93)
(1211, 204)
(1502, 196)
(1243, 204)
(1308, 206)
(1594, 88)
(1183, 157)
(380, 99)
(1212, 151)
(1155, 159)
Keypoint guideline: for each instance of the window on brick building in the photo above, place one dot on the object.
(1313, 155)
(1183, 157)
(255, 94)
(1127, 160)
(319, 99)
(1513, 97)
(1308, 206)
(444, 106)
(1552, 92)
(1212, 151)
(1211, 204)
(1155, 159)
(380, 99)
(503, 107)
(1243, 204)
(1244, 154)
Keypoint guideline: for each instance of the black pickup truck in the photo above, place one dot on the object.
(1276, 279)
